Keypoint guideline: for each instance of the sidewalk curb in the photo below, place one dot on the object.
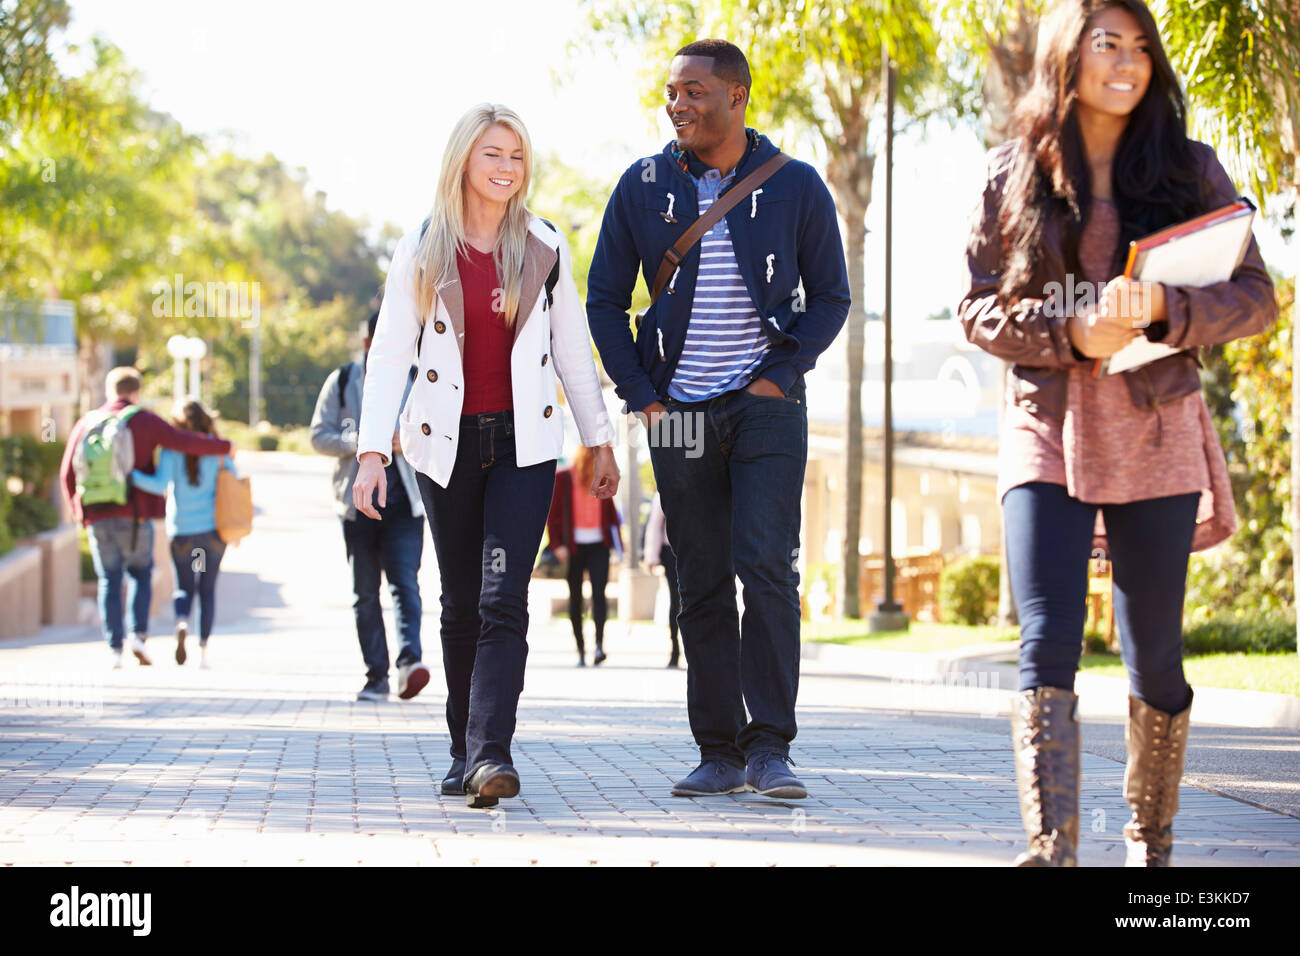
(992, 664)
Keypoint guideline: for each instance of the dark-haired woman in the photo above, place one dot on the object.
(1130, 463)
(190, 484)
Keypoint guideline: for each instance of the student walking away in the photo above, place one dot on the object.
(717, 371)
(189, 483)
(393, 546)
(583, 529)
(104, 448)
(1102, 158)
(659, 552)
(482, 297)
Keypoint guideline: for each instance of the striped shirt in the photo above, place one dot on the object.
(725, 341)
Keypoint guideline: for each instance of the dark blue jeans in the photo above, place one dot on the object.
(197, 559)
(112, 553)
(487, 528)
(1049, 541)
(395, 546)
(731, 492)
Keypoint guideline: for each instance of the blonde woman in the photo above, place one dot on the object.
(482, 300)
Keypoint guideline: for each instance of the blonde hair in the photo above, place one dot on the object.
(435, 257)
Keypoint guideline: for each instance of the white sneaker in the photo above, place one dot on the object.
(203, 659)
(136, 645)
(115, 656)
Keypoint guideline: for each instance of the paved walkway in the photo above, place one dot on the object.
(267, 759)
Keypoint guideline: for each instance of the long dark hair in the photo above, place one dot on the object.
(1153, 177)
(195, 418)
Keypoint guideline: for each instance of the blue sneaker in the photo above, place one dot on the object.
(769, 775)
(710, 779)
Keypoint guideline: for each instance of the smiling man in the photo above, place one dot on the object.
(728, 342)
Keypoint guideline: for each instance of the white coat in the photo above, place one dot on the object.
(548, 342)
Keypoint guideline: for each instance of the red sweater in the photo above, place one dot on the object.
(148, 432)
(488, 339)
(559, 523)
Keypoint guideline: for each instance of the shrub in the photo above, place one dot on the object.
(6, 537)
(968, 591)
(1227, 633)
(268, 442)
(30, 516)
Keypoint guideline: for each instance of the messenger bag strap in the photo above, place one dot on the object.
(723, 205)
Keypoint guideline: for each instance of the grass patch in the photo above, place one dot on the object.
(921, 637)
(1274, 673)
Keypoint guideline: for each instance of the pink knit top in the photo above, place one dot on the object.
(1109, 451)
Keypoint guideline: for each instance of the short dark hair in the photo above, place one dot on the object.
(371, 323)
(729, 63)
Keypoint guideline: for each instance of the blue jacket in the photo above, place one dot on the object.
(191, 509)
(784, 235)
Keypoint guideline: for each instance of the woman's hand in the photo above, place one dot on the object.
(561, 553)
(604, 479)
(1138, 303)
(369, 477)
(1098, 334)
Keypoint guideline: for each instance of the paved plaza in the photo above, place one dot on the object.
(267, 759)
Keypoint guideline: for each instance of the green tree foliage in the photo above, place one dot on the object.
(107, 200)
(1248, 385)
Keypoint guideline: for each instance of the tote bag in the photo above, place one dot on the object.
(234, 506)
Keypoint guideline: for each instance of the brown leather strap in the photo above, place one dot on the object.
(721, 206)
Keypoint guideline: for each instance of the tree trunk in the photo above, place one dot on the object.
(857, 329)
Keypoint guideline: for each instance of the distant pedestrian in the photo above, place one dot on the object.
(482, 297)
(393, 547)
(189, 483)
(584, 530)
(659, 552)
(1101, 158)
(104, 447)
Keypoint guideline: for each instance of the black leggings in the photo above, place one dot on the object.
(594, 559)
(1049, 541)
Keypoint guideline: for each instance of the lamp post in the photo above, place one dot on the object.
(889, 615)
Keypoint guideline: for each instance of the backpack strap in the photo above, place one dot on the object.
(553, 278)
(345, 373)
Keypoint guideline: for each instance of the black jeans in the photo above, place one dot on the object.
(395, 546)
(1049, 541)
(731, 498)
(594, 559)
(487, 528)
(197, 559)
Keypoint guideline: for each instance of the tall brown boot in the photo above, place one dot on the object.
(1157, 748)
(1045, 738)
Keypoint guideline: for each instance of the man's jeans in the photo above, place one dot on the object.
(731, 497)
(112, 553)
(487, 527)
(395, 546)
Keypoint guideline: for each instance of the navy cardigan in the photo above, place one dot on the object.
(784, 235)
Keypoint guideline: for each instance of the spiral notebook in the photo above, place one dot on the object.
(1200, 252)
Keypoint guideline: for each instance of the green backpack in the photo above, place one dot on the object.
(104, 458)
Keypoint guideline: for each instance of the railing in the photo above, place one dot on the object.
(916, 583)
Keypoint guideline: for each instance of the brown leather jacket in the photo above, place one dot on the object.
(1033, 336)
